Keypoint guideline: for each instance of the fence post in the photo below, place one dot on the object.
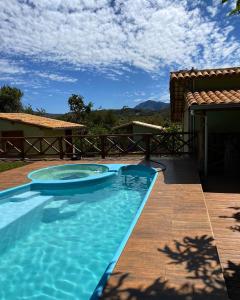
(148, 147)
(60, 143)
(40, 145)
(22, 149)
(103, 149)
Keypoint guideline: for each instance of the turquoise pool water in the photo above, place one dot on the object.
(63, 243)
(68, 172)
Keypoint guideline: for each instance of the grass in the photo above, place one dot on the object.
(4, 166)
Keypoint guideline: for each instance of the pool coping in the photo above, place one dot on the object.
(12, 190)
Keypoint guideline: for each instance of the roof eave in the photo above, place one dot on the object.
(214, 106)
(67, 127)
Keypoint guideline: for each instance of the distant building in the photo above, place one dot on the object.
(207, 102)
(138, 127)
(15, 125)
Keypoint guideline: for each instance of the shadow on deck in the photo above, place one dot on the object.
(221, 184)
(198, 255)
(222, 194)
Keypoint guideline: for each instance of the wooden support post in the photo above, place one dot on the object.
(103, 146)
(192, 132)
(206, 146)
(147, 145)
(200, 141)
(60, 143)
(40, 145)
(22, 149)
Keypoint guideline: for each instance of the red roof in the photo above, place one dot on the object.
(213, 97)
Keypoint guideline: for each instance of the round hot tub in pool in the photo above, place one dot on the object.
(69, 172)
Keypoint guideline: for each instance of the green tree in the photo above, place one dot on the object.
(40, 111)
(10, 99)
(29, 110)
(236, 10)
(110, 119)
(78, 107)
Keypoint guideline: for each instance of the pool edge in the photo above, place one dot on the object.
(61, 182)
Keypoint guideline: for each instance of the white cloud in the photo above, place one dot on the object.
(147, 34)
(139, 93)
(12, 71)
(55, 77)
(12, 80)
(139, 100)
(10, 67)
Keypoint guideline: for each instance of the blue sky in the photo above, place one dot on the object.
(113, 52)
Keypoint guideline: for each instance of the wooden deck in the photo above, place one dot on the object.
(223, 203)
(171, 253)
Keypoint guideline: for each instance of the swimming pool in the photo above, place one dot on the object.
(58, 243)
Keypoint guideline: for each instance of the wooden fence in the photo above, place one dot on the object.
(97, 145)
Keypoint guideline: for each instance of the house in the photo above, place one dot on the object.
(207, 103)
(134, 127)
(16, 125)
(137, 128)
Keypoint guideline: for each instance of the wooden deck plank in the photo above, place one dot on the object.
(224, 212)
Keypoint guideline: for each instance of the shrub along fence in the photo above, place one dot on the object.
(78, 146)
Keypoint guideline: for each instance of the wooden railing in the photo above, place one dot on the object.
(97, 145)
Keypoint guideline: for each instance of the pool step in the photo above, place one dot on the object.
(56, 204)
(10, 212)
(17, 218)
(52, 211)
(71, 208)
(24, 196)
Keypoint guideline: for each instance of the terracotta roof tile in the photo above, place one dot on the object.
(185, 80)
(213, 97)
(183, 74)
(39, 121)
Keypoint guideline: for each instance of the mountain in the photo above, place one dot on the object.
(152, 105)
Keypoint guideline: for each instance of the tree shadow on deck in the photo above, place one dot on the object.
(235, 216)
(232, 271)
(197, 258)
